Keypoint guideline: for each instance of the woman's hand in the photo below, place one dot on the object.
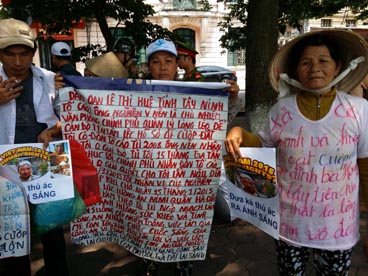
(9, 90)
(233, 89)
(233, 141)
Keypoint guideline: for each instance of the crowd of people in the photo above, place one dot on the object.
(314, 75)
(22, 83)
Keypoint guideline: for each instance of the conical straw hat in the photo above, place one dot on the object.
(107, 65)
(352, 46)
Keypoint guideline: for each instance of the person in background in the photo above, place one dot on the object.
(61, 55)
(314, 126)
(105, 65)
(27, 116)
(187, 61)
(124, 49)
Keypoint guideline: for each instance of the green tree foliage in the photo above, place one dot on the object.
(58, 16)
(205, 5)
(234, 24)
(251, 24)
(293, 12)
(290, 13)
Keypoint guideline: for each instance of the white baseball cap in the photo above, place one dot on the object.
(61, 49)
(24, 163)
(15, 32)
(161, 45)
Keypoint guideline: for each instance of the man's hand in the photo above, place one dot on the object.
(59, 81)
(45, 136)
(9, 90)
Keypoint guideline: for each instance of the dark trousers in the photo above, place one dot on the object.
(54, 252)
(15, 266)
(54, 255)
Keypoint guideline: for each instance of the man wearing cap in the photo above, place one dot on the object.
(187, 61)
(25, 171)
(61, 59)
(27, 116)
(124, 49)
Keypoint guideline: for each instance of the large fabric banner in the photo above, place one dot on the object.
(157, 147)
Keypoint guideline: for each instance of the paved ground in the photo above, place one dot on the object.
(234, 249)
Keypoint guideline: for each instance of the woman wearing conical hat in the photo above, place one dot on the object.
(320, 134)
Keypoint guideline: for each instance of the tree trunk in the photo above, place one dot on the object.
(261, 45)
(100, 16)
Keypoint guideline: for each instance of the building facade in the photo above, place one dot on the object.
(199, 27)
(344, 19)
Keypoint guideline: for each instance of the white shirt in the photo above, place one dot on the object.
(317, 171)
(43, 90)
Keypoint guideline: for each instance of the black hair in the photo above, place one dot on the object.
(193, 60)
(68, 58)
(314, 40)
(186, 55)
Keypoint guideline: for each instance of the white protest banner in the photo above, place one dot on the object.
(14, 220)
(250, 188)
(45, 174)
(157, 148)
